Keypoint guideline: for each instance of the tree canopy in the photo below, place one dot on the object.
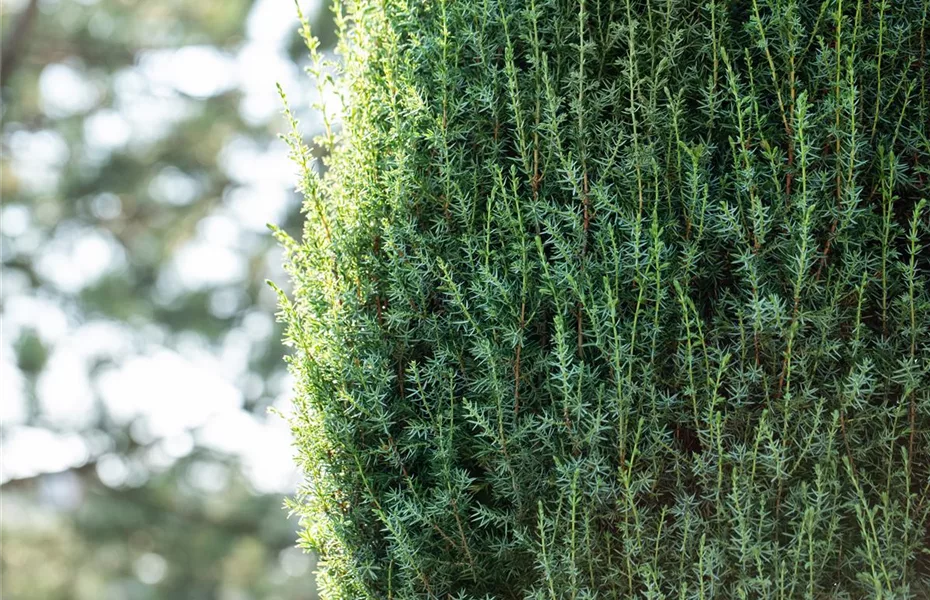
(140, 166)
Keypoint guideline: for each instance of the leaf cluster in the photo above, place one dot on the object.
(619, 299)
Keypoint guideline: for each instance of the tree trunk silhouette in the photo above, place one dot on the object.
(15, 43)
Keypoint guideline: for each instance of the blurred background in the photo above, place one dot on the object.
(139, 355)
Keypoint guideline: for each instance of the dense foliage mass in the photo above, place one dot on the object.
(619, 299)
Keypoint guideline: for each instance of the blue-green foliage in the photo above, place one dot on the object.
(616, 299)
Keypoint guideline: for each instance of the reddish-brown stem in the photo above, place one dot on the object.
(516, 365)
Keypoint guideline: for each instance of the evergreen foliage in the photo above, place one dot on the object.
(619, 299)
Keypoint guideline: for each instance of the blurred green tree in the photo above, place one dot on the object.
(140, 165)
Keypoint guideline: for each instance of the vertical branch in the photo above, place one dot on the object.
(11, 53)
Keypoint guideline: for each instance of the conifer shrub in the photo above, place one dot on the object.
(617, 299)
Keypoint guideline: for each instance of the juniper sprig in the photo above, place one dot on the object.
(614, 299)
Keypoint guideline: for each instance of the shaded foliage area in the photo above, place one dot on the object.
(168, 537)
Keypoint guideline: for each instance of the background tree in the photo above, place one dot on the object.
(139, 353)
